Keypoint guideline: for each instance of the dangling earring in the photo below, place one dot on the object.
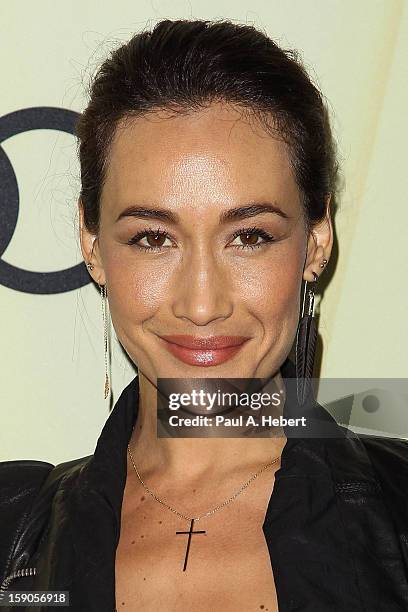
(306, 337)
(103, 291)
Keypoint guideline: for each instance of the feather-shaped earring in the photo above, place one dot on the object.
(306, 337)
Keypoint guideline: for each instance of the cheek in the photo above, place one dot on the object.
(135, 291)
(272, 287)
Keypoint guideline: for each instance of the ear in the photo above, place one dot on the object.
(90, 249)
(320, 243)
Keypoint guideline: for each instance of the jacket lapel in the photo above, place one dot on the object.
(332, 543)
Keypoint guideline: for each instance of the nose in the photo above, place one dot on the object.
(202, 291)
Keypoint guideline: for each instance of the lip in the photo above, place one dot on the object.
(205, 343)
(200, 351)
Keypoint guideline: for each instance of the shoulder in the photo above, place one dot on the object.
(23, 477)
(389, 458)
(392, 452)
(19, 480)
(22, 482)
(380, 461)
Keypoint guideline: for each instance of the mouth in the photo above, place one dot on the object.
(200, 351)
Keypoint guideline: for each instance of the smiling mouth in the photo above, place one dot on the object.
(208, 351)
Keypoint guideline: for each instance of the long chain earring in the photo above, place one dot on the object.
(105, 315)
(306, 337)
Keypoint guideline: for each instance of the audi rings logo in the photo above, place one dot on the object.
(37, 118)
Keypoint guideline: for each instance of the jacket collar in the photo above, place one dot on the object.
(307, 536)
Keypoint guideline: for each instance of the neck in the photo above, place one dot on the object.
(190, 458)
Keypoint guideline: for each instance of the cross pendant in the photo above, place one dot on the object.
(190, 533)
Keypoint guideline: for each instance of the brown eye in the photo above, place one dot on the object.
(155, 240)
(249, 238)
(149, 240)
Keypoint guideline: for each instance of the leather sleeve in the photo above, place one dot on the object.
(389, 458)
(19, 482)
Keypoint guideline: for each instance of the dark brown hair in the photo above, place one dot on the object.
(184, 65)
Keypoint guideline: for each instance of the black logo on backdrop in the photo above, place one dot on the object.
(36, 118)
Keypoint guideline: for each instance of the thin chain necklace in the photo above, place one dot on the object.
(191, 532)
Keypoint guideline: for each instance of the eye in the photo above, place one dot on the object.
(251, 237)
(155, 240)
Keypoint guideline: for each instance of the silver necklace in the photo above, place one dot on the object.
(191, 531)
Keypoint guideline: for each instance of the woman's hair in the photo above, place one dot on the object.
(183, 66)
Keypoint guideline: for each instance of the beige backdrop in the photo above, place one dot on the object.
(52, 369)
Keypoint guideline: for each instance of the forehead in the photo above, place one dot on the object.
(217, 155)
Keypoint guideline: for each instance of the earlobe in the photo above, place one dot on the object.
(311, 276)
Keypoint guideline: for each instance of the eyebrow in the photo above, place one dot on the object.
(241, 212)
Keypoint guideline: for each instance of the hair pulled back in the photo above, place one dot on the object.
(185, 65)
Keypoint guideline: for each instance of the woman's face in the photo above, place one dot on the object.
(202, 234)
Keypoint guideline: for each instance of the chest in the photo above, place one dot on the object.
(228, 567)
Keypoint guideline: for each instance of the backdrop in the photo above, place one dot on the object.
(52, 367)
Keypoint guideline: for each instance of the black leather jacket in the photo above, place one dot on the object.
(336, 524)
